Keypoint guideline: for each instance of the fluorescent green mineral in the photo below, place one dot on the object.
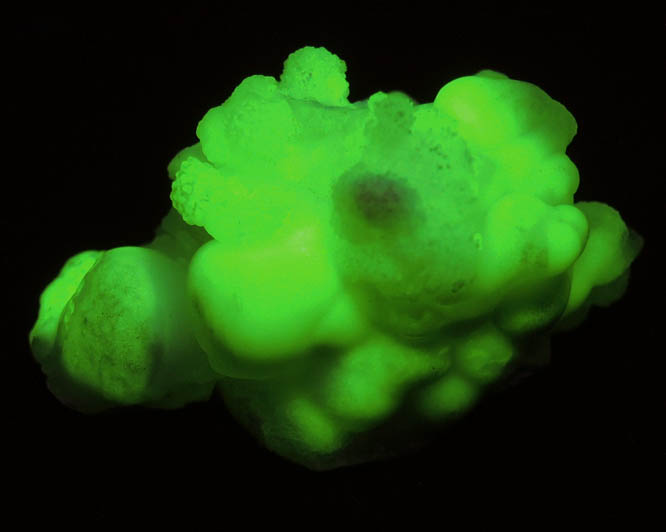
(335, 267)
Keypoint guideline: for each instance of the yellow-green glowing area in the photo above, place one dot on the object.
(328, 266)
(449, 396)
(313, 426)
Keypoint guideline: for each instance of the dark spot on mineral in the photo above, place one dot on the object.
(379, 198)
(457, 286)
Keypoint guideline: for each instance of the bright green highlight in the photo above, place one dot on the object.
(336, 268)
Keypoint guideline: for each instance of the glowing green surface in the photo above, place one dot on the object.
(327, 264)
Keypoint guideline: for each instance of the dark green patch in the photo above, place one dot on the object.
(379, 199)
(457, 286)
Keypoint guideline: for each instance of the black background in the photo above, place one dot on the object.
(104, 99)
